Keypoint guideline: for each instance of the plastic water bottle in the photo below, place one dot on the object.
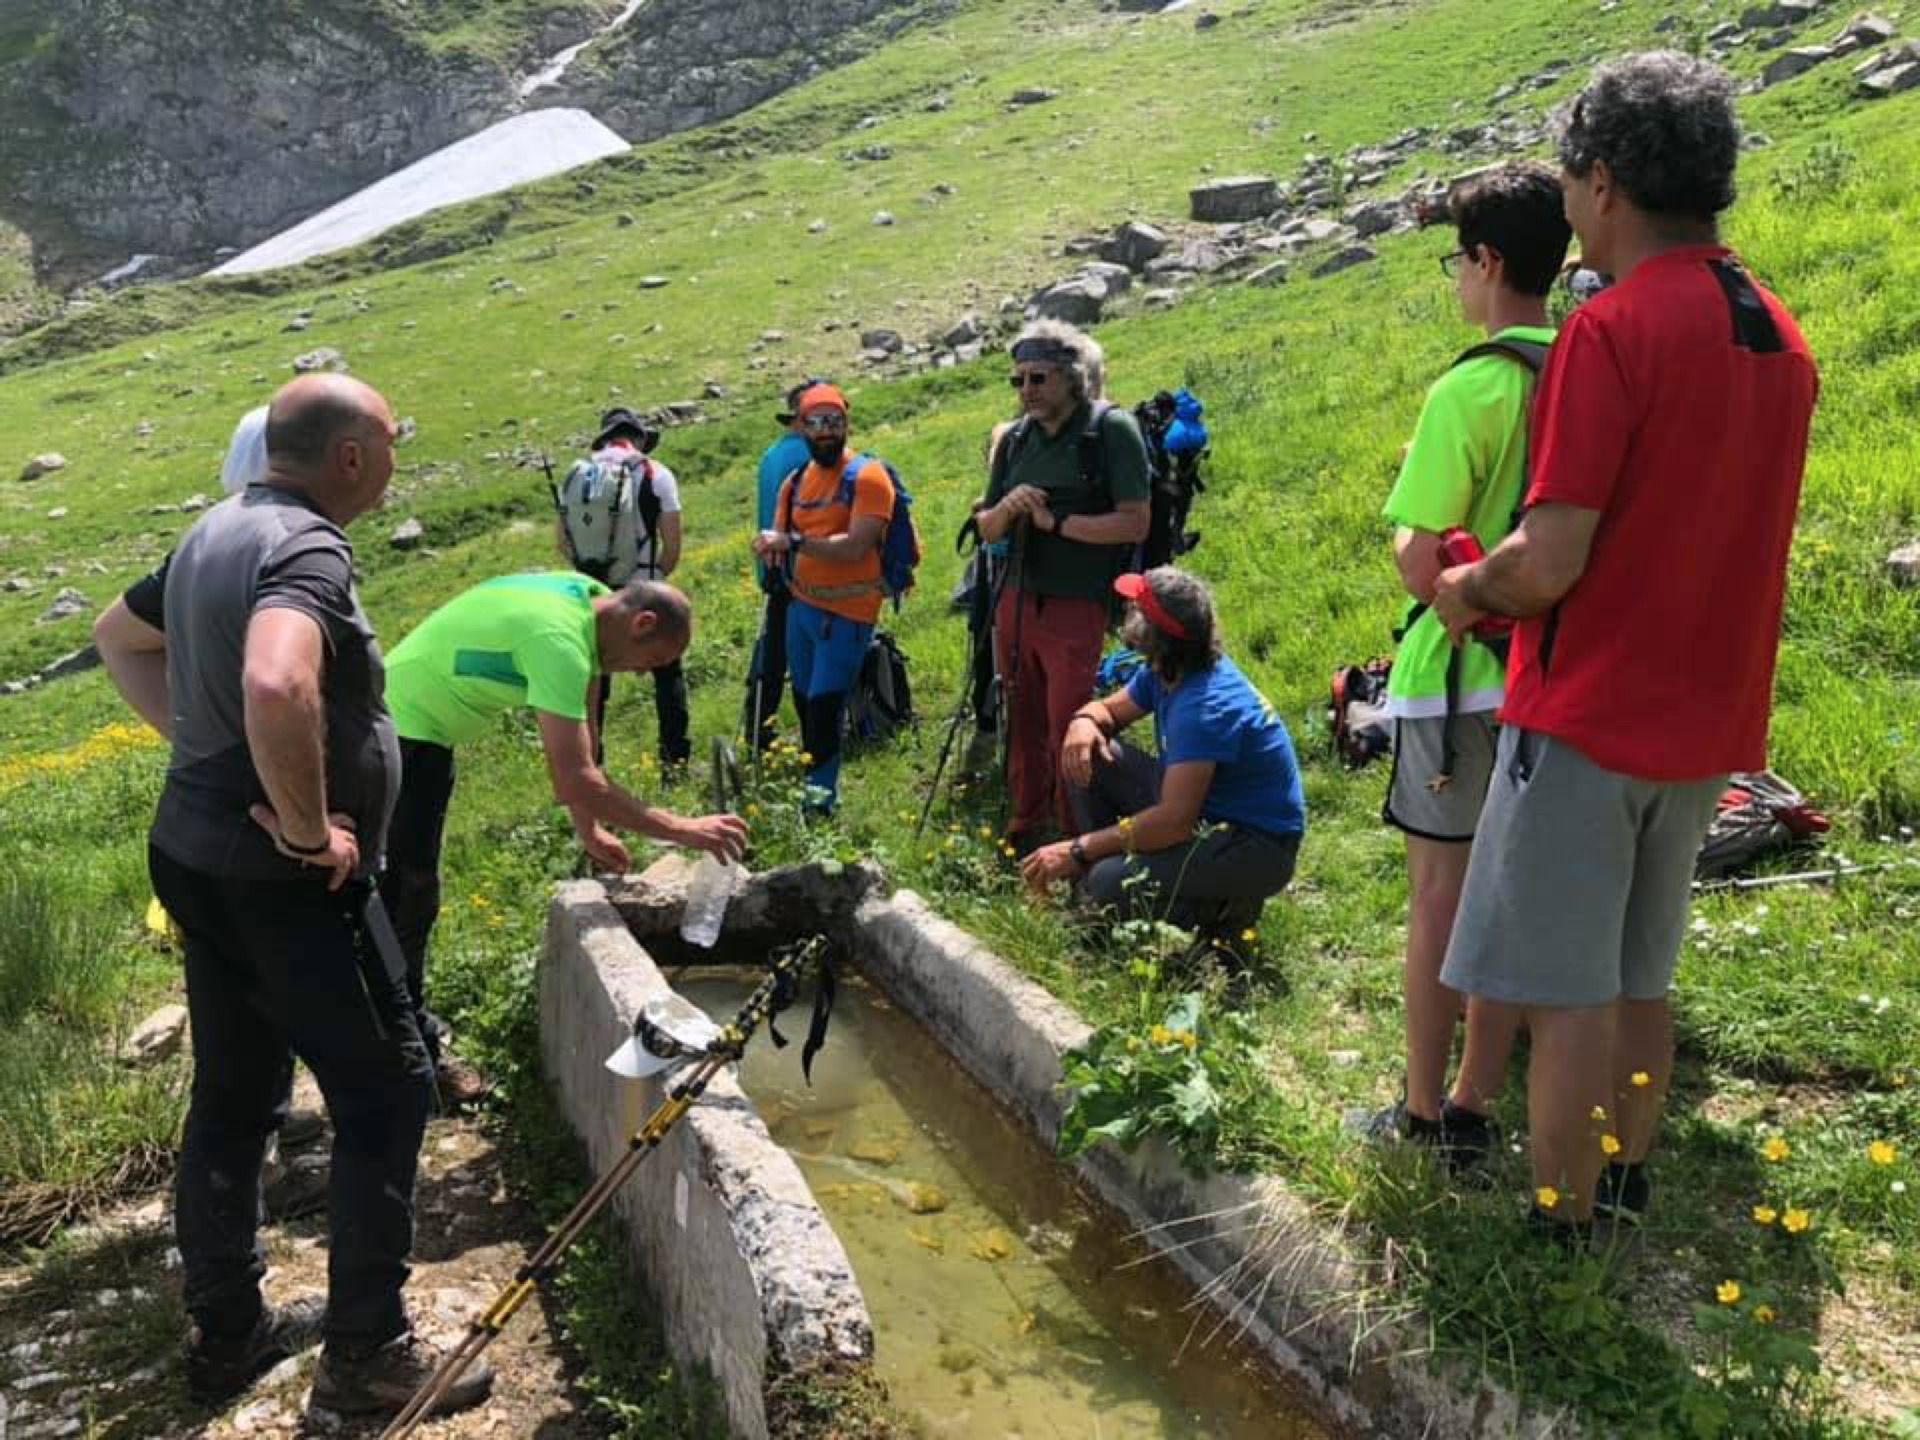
(713, 886)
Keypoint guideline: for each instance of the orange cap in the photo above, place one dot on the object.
(820, 397)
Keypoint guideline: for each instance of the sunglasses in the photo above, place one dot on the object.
(822, 421)
(1029, 379)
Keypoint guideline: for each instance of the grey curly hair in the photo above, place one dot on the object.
(1087, 372)
(1187, 599)
(1663, 123)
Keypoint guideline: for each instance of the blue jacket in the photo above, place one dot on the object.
(786, 455)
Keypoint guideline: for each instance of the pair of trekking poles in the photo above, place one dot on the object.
(769, 998)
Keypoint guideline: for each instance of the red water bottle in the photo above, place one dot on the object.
(1460, 546)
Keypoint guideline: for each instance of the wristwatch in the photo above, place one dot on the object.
(794, 537)
(1079, 853)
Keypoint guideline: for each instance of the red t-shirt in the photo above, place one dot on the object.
(1677, 404)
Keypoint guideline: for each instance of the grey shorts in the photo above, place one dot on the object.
(1453, 811)
(1578, 887)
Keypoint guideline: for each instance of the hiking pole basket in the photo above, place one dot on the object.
(768, 999)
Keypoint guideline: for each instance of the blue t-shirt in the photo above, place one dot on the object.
(786, 455)
(1216, 715)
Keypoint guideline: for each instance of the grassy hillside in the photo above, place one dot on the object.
(1797, 1006)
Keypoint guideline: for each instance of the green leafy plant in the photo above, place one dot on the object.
(1168, 1079)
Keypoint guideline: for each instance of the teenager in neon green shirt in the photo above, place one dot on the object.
(539, 641)
(1465, 467)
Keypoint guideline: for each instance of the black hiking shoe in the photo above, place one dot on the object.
(1623, 1194)
(384, 1381)
(1461, 1139)
(293, 1189)
(219, 1368)
(1571, 1236)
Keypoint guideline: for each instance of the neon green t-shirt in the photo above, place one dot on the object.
(518, 640)
(1466, 465)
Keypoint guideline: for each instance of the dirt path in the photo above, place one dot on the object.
(90, 1335)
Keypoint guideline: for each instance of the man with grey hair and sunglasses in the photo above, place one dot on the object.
(1648, 577)
(1070, 486)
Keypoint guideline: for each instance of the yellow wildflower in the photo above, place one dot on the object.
(1880, 1152)
(1160, 1035)
(1765, 1214)
(1187, 1038)
(1763, 1314)
(1546, 1197)
(1795, 1222)
(1640, 1079)
(1727, 1292)
(1776, 1149)
(1249, 935)
(1599, 1112)
(1610, 1144)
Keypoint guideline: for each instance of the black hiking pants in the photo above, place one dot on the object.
(410, 884)
(670, 707)
(277, 969)
(767, 683)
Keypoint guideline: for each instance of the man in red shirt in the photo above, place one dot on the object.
(1669, 436)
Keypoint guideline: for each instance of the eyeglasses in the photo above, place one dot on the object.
(1450, 262)
(823, 420)
(1029, 379)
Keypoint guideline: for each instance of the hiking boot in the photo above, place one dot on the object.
(385, 1380)
(459, 1083)
(219, 1368)
(292, 1189)
(1623, 1194)
(302, 1128)
(1467, 1138)
(1571, 1236)
(1391, 1124)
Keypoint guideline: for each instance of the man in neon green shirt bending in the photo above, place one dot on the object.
(541, 641)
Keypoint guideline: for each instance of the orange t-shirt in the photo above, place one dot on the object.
(851, 588)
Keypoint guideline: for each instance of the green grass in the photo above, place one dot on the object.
(1311, 388)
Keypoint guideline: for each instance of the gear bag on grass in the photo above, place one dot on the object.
(610, 516)
(881, 701)
(1357, 713)
(1759, 815)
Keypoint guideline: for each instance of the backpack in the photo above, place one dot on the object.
(1176, 443)
(598, 522)
(899, 542)
(1759, 815)
(1357, 713)
(881, 701)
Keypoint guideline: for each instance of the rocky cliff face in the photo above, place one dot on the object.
(181, 127)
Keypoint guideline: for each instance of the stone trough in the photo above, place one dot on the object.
(750, 1277)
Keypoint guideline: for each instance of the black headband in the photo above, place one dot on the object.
(1043, 350)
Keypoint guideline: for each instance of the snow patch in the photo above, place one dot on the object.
(514, 152)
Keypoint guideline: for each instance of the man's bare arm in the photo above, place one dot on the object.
(134, 654)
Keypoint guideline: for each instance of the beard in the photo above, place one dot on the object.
(827, 449)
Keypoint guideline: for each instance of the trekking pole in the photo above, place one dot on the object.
(1799, 877)
(1010, 682)
(756, 682)
(767, 1000)
(983, 641)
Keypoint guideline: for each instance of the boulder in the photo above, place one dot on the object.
(1376, 217)
(1865, 30)
(68, 603)
(1078, 300)
(883, 218)
(1161, 298)
(1033, 95)
(1239, 197)
(1891, 80)
(889, 341)
(1796, 61)
(1116, 279)
(1779, 14)
(1344, 258)
(1134, 244)
(325, 358)
(74, 662)
(407, 535)
(964, 331)
(654, 282)
(1205, 20)
(1205, 257)
(1272, 273)
(43, 465)
(156, 1037)
(1903, 566)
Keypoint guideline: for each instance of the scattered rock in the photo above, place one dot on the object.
(1273, 273)
(43, 465)
(714, 390)
(1134, 244)
(964, 331)
(1115, 279)
(873, 152)
(773, 337)
(1865, 30)
(69, 602)
(1239, 197)
(654, 282)
(1796, 62)
(1033, 95)
(1778, 15)
(193, 504)
(1345, 258)
(1078, 300)
(888, 341)
(625, 220)
(1376, 217)
(58, 512)
(883, 217)
(1205, 20)
(74, 662)
(325, 358)
(297, 323)
(407, 535)
(818, 227)
(1903, 566)
(405, 430)
(157, 1037)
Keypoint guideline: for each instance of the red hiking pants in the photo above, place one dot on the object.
(1058, 641)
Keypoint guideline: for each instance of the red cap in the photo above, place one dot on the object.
(820, 397)
(1134, 587)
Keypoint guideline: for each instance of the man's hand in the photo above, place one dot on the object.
(769, 543)
(1023, 500)
(1450, 601)
(722, 836)
(1084, 744)
(341, 857)
(1048, 864)
(604, 848)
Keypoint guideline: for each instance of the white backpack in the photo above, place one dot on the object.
(610, 516)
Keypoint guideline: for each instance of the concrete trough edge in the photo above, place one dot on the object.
(749, 1278)
(1255, 1251)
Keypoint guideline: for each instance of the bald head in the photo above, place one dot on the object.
(311, 415)
(643, 624)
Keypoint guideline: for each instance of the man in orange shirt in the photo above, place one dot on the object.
(827, 532)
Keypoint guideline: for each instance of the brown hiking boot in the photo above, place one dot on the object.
(384, 1381)
(460, 1084)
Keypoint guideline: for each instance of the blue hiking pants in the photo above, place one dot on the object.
(824, 654)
